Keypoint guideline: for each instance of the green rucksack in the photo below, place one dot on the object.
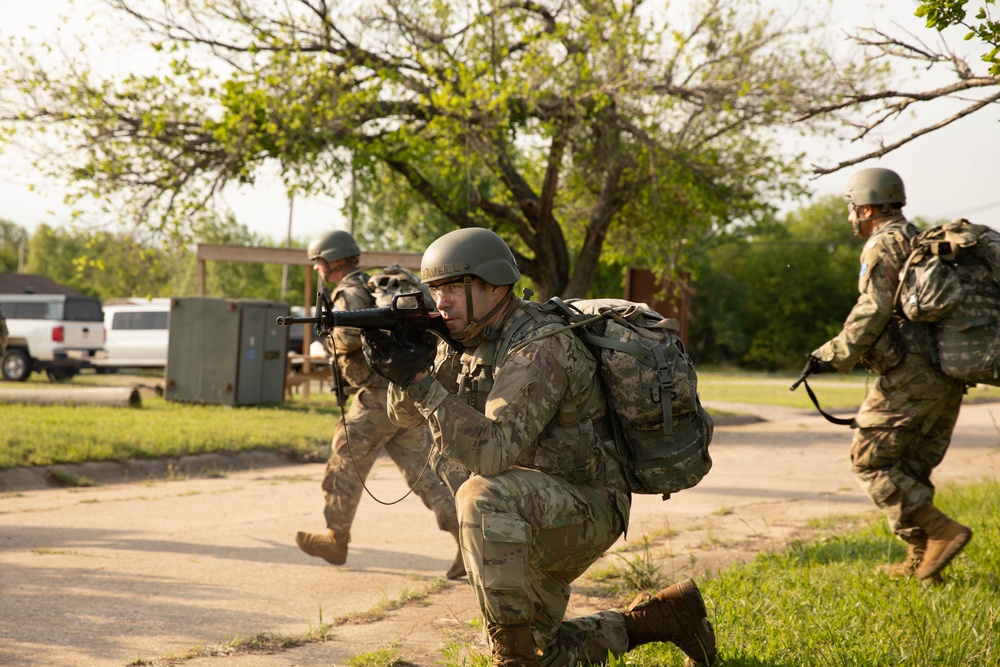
(951, 280)
(661, 429)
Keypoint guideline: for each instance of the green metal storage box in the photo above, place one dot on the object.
(226, 351)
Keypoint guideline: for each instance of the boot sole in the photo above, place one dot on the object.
(954, 548)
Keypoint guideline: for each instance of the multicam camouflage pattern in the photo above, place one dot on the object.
(344, 344)
(357, 445)
(951, 280)
(875, 333)
(368, 430)
(527, 534)
(905, 424)
(633, 344)
(904, 429)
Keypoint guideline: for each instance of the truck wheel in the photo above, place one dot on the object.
(16, 365)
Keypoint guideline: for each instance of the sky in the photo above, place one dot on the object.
(949, 173)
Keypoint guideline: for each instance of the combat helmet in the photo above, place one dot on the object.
(471, 251)
(333, 245)
(875, 187)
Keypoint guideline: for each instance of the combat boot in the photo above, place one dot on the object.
(915, 549)
(513, 645)
(330, 546)
(457, 569)
(676, 614)
(945, 539)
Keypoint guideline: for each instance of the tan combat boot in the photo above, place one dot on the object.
(945, 539)
(914, 556)
(513, 645)
(457, 569)
(915, 549)
(330, 546)
(676, 614)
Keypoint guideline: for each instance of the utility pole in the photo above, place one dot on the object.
(288, 244)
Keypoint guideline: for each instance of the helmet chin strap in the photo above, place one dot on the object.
(858, 221)
(470, 334)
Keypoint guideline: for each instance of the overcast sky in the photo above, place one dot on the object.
(950, 173)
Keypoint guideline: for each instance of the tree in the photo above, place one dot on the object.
(941, 14)
(872, 108)
(768, 300)
(13, 238)
(102, 264)
(564, 125)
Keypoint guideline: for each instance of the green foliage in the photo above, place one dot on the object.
(100, 264)
(568, 127)
(12, 238)
(767, 300)
(119, 264)
(941, 14)
(820, 603)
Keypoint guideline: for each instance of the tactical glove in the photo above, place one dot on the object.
(814, 366)
(398, 357)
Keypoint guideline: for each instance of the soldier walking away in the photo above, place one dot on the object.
(905, 424)
(546, 497)
(365, 430)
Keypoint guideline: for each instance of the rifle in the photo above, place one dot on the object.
(408, 312)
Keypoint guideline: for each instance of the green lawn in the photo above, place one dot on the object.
(820, 603)
(43, 435)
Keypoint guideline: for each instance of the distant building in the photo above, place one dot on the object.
(27, 283)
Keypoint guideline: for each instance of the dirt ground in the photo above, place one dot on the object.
(147, 570)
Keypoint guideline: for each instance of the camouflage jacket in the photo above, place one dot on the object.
(352, 293)
(875, 333)
(537, 407)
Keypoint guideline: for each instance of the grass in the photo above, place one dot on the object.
(820, 603)
(41, 435)
(165, 429)
(835, 391)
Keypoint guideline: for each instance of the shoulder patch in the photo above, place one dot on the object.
(864, 268)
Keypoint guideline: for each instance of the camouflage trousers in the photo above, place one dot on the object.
(525, 537)
(904, 429)
(356, 447)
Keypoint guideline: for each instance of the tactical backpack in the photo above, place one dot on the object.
(661, 430)
(951, 280)
(393, 280)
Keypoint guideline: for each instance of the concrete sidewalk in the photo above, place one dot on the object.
(148, 573)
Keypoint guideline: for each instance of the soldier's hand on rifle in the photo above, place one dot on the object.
(813, 367)
(399, 356)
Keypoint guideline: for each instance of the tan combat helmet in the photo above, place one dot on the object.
(334, 245)
(466, 253)
(875, 187)
(471, 251)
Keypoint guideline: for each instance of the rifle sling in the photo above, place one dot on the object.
(839, 421)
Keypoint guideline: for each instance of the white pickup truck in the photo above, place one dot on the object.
(136, 334)
(51, 333)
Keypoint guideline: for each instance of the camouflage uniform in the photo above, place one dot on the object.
(546, 498)
(368, 429)
(905, 424)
